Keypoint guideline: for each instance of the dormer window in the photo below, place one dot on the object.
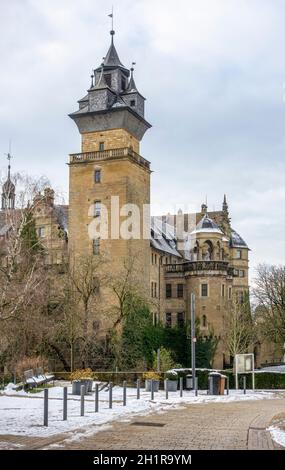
(133, 103)
(123, 83)
(108, 79)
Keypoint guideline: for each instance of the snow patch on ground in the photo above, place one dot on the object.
(21, 413)
(277, 435)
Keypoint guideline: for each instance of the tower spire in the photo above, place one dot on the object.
(225, 205)
(8, 189)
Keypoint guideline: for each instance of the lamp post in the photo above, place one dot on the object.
(193, 341)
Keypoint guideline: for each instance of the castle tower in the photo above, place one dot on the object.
(110, 173)
(8, 190)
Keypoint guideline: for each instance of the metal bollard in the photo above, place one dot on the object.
(46, 407)
(82, 397)
(181, 386)
(96, 398)
(244, 385)
(64, 403)
(151, 390)
(166, 389)
(138, 389)
(124, 393)
(196, 386)
(228, 385)
(111, 395)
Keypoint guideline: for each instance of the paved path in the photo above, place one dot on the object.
(237, 425)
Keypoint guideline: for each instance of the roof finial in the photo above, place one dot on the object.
(112, 32)
(92, 80)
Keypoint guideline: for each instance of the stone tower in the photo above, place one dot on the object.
(109, 175)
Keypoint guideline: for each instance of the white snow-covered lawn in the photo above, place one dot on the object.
(22, 413)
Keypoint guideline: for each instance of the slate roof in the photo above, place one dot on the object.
(163, 237)
(207, 225)
(236, 241)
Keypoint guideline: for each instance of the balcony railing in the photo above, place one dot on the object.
(106, 154)
(195, 266)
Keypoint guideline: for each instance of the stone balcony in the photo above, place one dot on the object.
(196, 267)
(110, 154)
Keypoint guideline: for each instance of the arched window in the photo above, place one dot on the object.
(207, 251)
(204, 321)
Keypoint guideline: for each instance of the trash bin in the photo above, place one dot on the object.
(214, 383)
(223, 384)
(189, 382)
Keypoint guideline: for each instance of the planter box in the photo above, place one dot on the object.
(155, 385)
(76, 386)
(172, 385)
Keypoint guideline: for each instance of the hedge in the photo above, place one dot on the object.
(263, 380)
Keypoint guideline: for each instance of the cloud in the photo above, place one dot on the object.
(213, 75)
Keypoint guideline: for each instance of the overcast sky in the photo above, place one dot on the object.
(213, 73)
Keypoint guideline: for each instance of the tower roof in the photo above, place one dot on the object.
(207, 225)
(112, 59)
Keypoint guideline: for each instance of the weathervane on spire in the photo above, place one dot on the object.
(112, 18)
(9, 157)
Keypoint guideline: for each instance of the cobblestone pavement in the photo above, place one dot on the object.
(237, 425)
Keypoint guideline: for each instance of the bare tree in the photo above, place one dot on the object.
(269, 293)
(239, 331)
(128, 291)
(20, 256)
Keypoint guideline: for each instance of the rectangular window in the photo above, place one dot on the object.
(180, 291)
(152, 258)
(155, 259)
(101, 146)
(168, 320)
(238, 254)
(230, 293)
(223, 290)
(97, 176)
(96, 246)
(241, 273)
(133, 103)
(41, 232)
(168, 291)
(241, 297)
(152, 288)
(236, 272)
(97, 208)
(155, 289)
(204, 290)
(180, 319)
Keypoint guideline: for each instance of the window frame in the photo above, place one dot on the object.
(202, 285)
(168, 291)
(97, 172)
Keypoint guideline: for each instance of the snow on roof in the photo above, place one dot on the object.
(236, 241)
(207, 225)
(163, 237)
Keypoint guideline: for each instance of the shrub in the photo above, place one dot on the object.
(171, 375)
(166, 360)
(151, 375)
(80, 374)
